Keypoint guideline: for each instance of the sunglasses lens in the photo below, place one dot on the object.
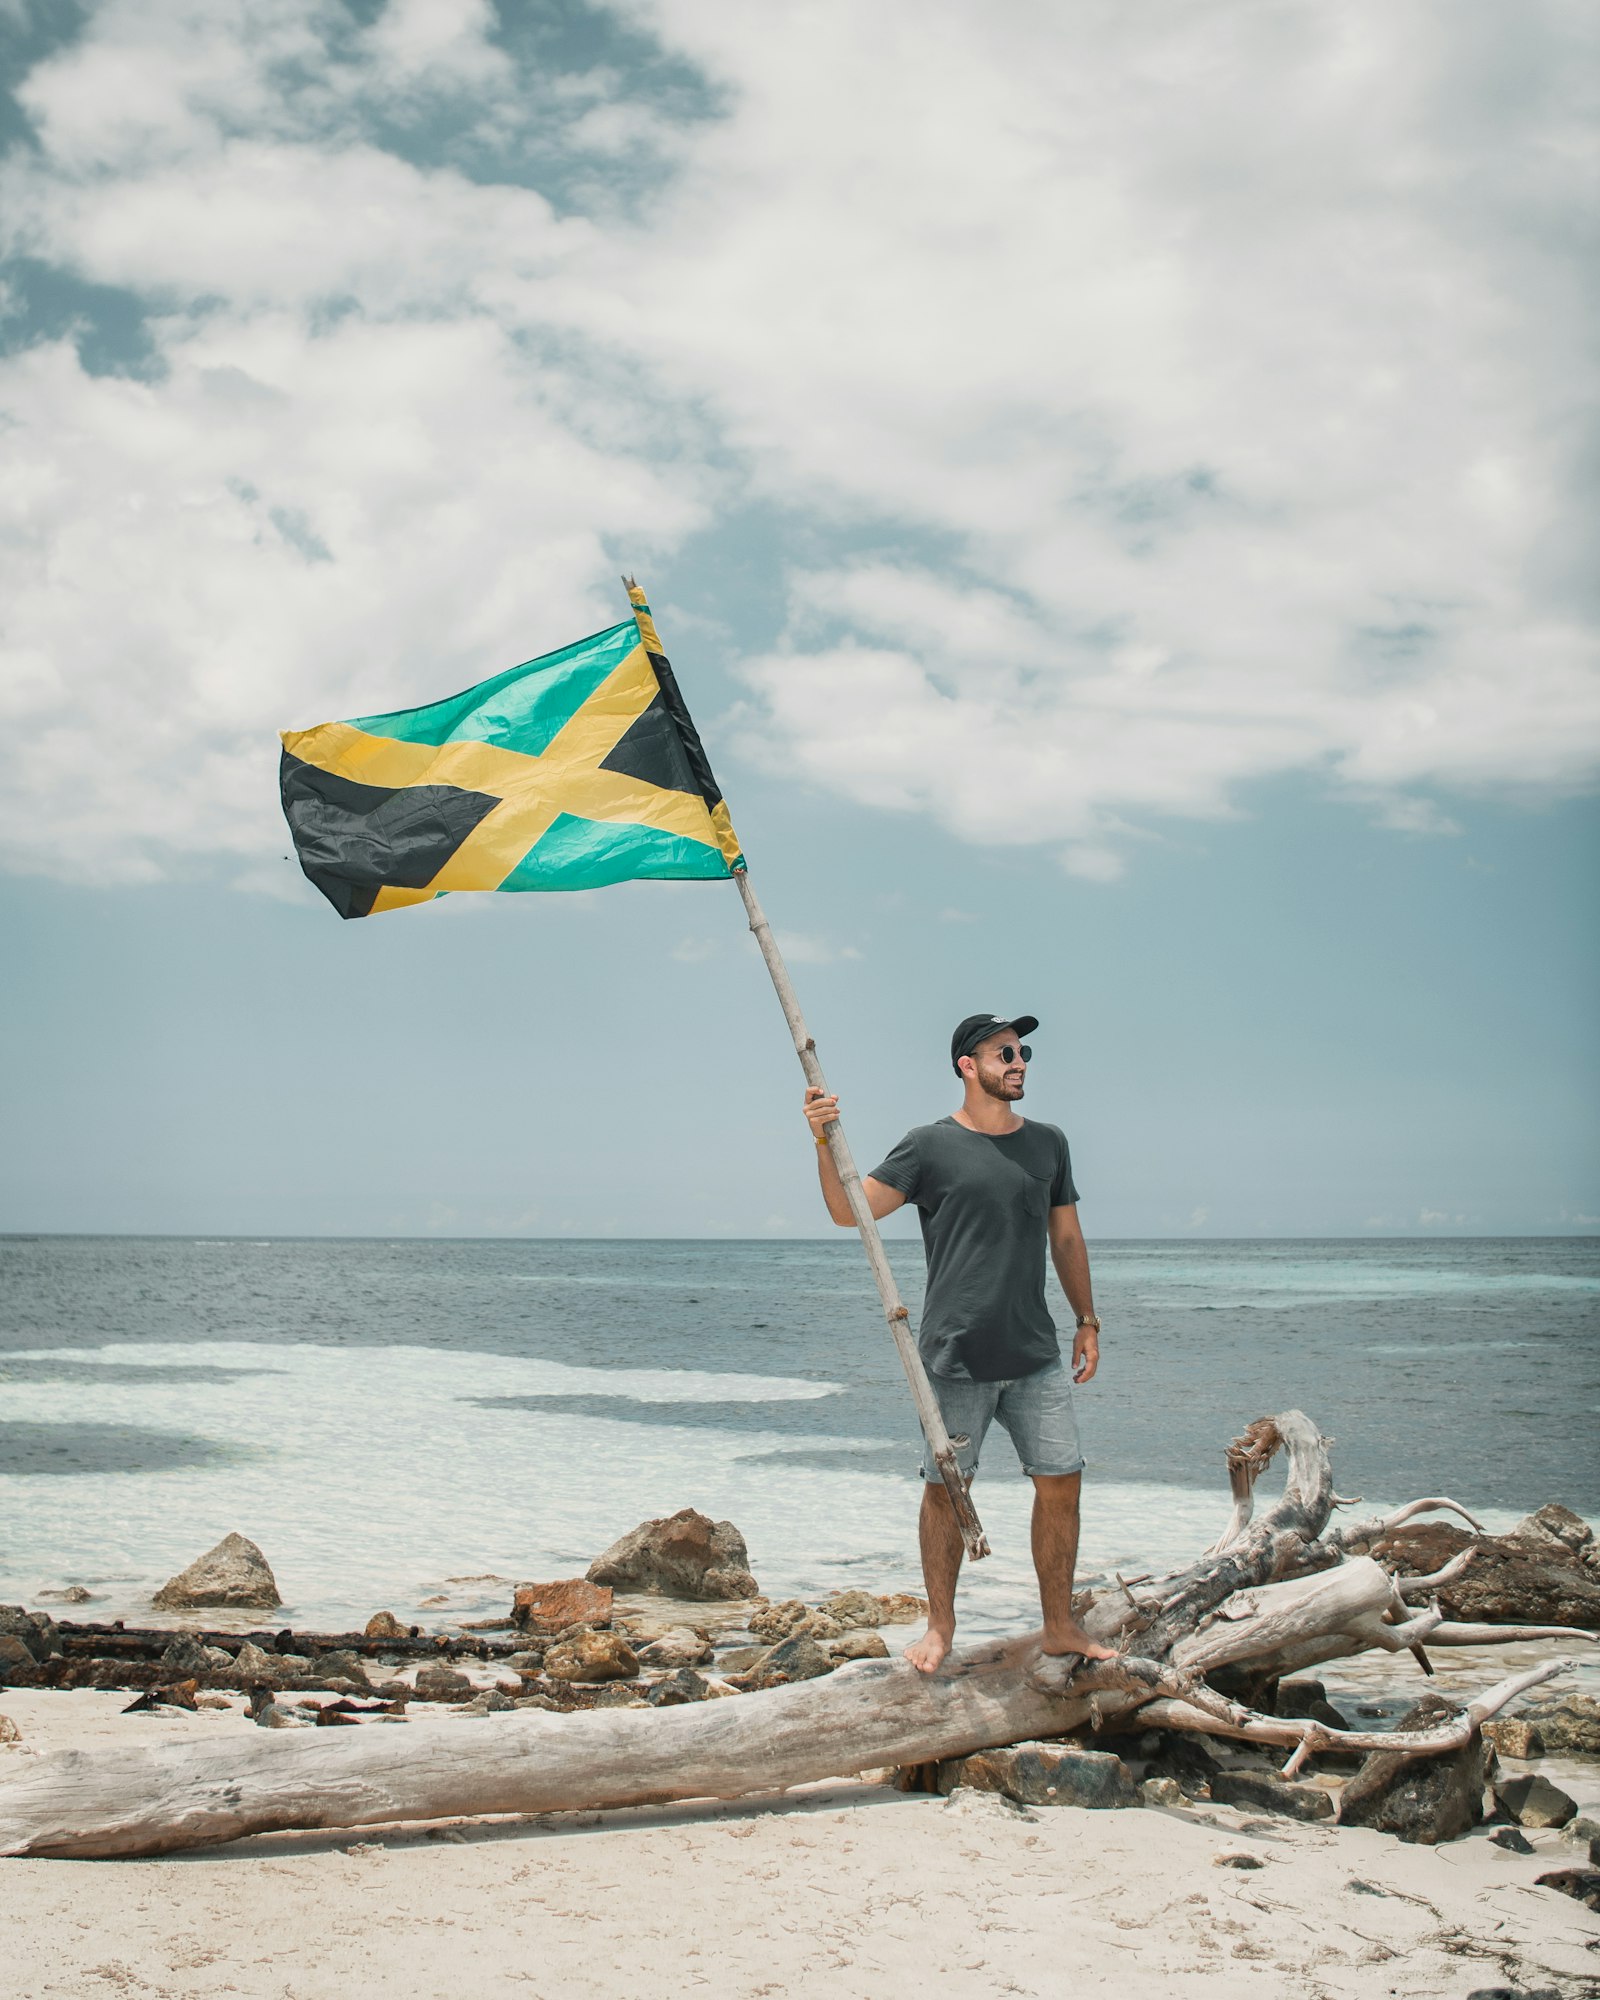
(1027, 1053)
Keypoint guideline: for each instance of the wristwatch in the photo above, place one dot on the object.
(1089, 1319)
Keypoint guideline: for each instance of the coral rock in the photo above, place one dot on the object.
(1045, 1774)
(1420, 1799)
(1534, 1801)
(678, 1646)
(855, 1608)
(235, 1572)
(683, 1555)
(592, 1656)
(550, 1607)
(859, 1646)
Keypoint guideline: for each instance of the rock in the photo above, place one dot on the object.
(1419, 1799)
(235, 1572)
(1270, 1793)
(678, 1646)
(1512, 1736)
(1511, 1580)
(1583, 1832)
(18, 1667)
(1582, 1883)
(1295, 1697)
(678, 1688)
(1237, 1861)
(385, 1625)
(684, 1555)
(1568, 1725)
(218, 1660)
(9, 1732)
(187, 1655)
(1308, 1700)
(1177, 1754)
(617, 1694)
(818, 1625)
(592, 1656)
(777, 1621)
(742, 1659)
(971, 1803)
(1045, 1774)
(342, 1665)
(271, 1716)
(250, 1663)
(1534, 1801)
(438, 1682)
(37, 1630)
(855, 1609)
(902, 1608)
(796, 1659)
(548, 1607)
(1162, 1792)
(858, 1645)
(1555, 1523)
(490, 1702)
(74, 1593)
(1512, 1841)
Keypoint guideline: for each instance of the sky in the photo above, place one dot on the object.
(1116, 487)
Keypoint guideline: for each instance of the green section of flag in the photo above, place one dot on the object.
(523, 709)
(594, 854)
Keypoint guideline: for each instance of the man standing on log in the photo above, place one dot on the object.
(993, 1192)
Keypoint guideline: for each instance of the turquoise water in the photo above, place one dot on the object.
(384, 1417)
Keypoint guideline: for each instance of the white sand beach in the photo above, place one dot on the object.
(853, 1888)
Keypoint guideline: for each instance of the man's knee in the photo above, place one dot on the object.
(1058, 1492)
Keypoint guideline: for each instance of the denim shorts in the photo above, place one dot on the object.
(1036, 1409)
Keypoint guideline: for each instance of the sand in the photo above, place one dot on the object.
(848, 1888)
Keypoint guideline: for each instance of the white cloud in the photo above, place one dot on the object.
(811, 948)
(1210, 375)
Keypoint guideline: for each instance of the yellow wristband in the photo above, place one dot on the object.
(821, 1140)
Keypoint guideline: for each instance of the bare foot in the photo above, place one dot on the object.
(927, 1654)
(1072, 1638)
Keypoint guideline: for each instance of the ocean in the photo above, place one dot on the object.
(413, 1425)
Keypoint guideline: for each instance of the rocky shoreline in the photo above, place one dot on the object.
(672, 1614)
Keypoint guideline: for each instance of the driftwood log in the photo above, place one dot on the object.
(1278, 1592)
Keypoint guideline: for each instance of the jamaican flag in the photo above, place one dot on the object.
(571, 772)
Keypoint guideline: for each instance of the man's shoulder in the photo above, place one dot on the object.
(1054, 1132)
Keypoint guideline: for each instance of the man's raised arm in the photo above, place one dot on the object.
(821, 1110)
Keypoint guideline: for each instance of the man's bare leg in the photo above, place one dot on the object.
(940, 1535)
(1055, 1557)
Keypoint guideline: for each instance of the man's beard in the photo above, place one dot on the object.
(1000, 1087)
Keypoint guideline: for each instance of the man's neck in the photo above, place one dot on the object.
(982, 1113)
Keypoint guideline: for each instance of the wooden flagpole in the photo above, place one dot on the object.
(894, 1311)
(928, 1412)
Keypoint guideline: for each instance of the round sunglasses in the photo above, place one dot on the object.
(1009, 1051)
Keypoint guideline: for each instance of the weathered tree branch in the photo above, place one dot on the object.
(1309, 1737)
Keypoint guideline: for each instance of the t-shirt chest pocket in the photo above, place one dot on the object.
(1035, 1194)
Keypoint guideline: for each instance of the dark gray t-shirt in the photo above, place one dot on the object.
(984, 1205)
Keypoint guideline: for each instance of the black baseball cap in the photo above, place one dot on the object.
(979, 1027)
